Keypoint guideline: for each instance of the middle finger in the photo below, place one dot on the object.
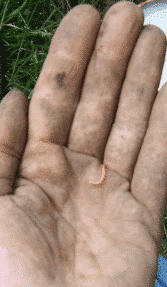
(94, 116)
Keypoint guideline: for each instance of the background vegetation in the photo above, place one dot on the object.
(26, 31)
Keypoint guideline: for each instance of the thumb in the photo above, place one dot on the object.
(13, 137)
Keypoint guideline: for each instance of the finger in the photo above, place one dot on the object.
(136, 100)
(149, 179)
(57, 90)
(13, 136)
(93, 119)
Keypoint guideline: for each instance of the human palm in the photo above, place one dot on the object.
(58, 228)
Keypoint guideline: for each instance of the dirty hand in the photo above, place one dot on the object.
(83, 166)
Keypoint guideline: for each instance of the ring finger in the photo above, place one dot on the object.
(137, 97)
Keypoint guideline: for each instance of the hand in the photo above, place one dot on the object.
(57, 228)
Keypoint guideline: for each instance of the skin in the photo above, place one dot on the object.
(95, 103)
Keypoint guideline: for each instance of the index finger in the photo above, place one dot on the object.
(57, 90)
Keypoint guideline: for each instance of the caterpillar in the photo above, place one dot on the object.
(103, 176)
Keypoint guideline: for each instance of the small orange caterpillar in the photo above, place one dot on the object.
(103, 176)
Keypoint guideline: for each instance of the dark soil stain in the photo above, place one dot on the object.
(60, 80)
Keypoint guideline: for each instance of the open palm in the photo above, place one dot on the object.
(57, 228)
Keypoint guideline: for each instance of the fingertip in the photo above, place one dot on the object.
(15, 98)
(87, 9)
(131, 8)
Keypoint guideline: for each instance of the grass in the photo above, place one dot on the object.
(26, 29)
